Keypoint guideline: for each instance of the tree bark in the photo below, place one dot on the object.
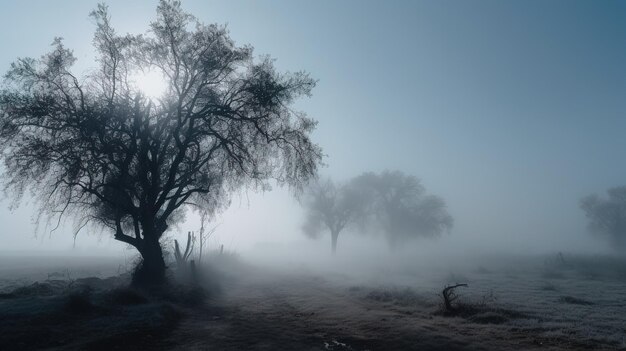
(151, 270)
(334, 235)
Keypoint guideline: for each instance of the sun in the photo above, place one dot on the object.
(151, 83)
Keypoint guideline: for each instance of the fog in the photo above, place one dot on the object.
(510, 136)
(509, 112)
(274, 219)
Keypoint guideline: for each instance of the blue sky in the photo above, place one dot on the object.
(510, 110)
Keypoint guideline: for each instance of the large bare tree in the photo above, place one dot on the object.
(94, 146)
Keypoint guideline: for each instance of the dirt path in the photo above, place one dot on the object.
(288, 312)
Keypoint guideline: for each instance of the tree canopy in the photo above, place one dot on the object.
(607, 217)
(400, 207)
(96, 147)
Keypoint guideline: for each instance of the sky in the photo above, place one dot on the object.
(510, 110)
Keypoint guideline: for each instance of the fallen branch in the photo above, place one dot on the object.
(449, 296)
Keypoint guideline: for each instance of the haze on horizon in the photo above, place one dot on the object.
(510, 111)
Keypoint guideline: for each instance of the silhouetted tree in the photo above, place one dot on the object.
(607, 217)
(95, 147)
(400, 208)
(332, 207)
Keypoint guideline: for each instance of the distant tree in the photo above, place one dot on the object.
(330, 207)
(607, 217)
(400, 207)
(390, 203)
(97, 148)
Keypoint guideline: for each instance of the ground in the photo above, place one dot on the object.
(557, 304)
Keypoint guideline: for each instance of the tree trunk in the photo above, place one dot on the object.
(334, 235)
(151, 270)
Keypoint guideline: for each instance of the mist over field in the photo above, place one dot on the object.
(298, 175)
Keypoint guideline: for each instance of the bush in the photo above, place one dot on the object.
(482, 312)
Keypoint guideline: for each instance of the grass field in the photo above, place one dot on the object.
(553, 302)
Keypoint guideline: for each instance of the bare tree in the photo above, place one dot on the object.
(449, 296)
(607, 217)
(97, 148)
(331, 207)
